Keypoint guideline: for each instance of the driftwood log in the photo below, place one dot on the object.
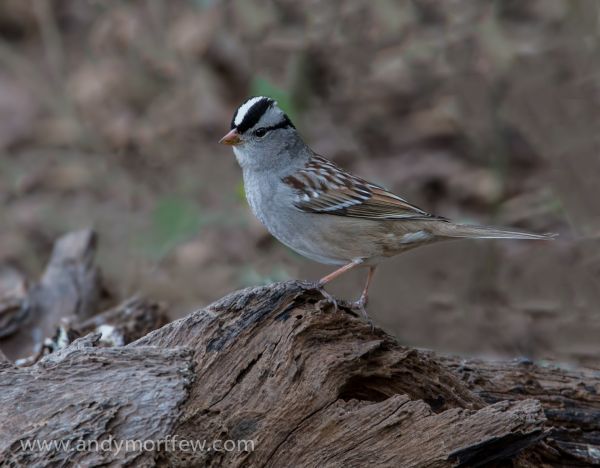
(308, 387)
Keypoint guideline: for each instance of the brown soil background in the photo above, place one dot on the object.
(488, 111)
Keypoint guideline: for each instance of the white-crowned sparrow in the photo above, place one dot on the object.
(323, 212)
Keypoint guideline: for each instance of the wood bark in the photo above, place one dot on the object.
(309, 387)
(70, 289)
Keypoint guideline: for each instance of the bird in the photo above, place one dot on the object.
(325, 213)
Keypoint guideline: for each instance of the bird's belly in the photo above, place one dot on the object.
(324, 238)
(294, 228)
(307, 236)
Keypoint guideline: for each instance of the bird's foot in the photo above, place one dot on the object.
(361, 306)
(328, 299)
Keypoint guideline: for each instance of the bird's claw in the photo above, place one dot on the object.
(361, 306)
(328, 299)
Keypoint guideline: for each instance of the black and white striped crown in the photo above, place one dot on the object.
(251, 111)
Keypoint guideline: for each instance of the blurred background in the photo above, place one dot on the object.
(483, 111)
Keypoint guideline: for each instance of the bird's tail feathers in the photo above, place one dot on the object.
(488, 232)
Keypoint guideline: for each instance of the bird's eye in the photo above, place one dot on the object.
(260, 132)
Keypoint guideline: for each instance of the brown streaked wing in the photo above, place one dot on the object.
(322, 187)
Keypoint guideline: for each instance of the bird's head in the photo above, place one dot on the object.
(262, 135)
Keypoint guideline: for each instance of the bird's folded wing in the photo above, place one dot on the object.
(322, 187)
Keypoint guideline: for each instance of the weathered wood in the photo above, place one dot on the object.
(3, 359)
(308, 387)
(121, 325)
(570, 398)
(13, 291)
(70, 289)
(88, 393)
(313, 386)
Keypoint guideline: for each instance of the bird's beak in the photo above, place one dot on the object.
(232, 138)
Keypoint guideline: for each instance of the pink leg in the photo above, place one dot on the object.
(330, 277)
(340, 271)
(361, 304)
(364, 297)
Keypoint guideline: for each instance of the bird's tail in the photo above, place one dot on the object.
(487, 232)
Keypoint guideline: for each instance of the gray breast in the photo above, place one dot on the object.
(311, 235)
